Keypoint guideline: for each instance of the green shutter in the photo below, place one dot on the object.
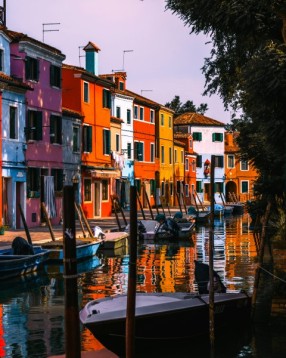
(89, 139)
(39, 126)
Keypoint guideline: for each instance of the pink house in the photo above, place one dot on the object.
(39, 65)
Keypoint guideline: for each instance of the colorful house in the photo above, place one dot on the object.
(179, 172)
(240, 175)
(39, 66)
(87, 93)
(146, 161)
(164, 134)
(208, 140)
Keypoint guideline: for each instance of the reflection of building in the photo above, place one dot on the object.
(239, 174)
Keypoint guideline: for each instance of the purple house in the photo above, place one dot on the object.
(39, 65)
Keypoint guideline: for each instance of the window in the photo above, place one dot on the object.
(170, 156)
(152, 152)
(1, 60)
(87, 189)
(13, 123)
(163, 188)
(141, 114)
(171, 189)
(136, 112)
(85, 92)
(55, 76)
(58, 179)
(217, 137)
(118, 112)
(175, 156)
(187, 191)
(106, 99)
(117, 142)
(199, 161)
(162, 154)
(106, 141)
(121, 86)
(34, 125)
(244, 165)
(197, 136)
(33, 182)
(199, 188)
(128, 121)
(230, 161)
(75, 143)
(218, 187)
(191, 144)
(187, 164)
(162, 119)
(152, 116)
(87, 139)
(32, 69)
(170, 122)
(55, 129)
(129, 150)
(244, 186)
(138, 151)
(153, 187)
(193, 165)
(104, 189)
(182, 156)
(219, 161)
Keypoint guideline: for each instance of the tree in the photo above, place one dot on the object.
(247, 68)
(178, 107)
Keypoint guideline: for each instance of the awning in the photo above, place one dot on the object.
(105, 174)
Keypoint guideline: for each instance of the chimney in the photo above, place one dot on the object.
(229, 139)
(91, 58)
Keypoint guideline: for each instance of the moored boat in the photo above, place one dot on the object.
(159, 316)
(12, 265)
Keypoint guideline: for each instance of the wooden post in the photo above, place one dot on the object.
(80, 219)
(85, 220)
(132, 273)
(48, 221)
(25, 226)
(211, 251)
(148, 202)
(72, 331)
(140, 204)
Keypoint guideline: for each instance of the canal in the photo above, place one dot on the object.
(32, 309)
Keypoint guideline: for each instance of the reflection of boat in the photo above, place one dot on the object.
(82, 266)
(165, 229)
(159, 316)
(85, 248)
(16, 265)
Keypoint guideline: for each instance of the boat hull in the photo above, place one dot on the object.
(163, 317)
(18, 265)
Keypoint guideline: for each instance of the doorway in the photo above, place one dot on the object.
(97, 199)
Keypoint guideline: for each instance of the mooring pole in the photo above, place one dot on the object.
(211, 263)
(132, 273)
(72, 331)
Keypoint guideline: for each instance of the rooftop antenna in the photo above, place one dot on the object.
(124, 52)
(3, 14)
(147, 90)
(79, 55)
(49, 30)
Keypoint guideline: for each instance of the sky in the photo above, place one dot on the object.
(160, 56)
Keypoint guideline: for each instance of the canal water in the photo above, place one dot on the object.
(32, 309)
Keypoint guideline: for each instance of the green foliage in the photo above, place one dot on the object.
(247, 68)
(178, 107)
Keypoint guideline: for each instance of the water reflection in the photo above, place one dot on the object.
(32, 310)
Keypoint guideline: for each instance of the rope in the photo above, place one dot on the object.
(271, 274)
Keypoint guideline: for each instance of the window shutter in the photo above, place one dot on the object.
(28, 67)
(219, 161)
(89, 139)
(199, 161)
(52, 129)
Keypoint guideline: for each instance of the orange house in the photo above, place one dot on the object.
(87, 93)
(146, 161)
(239, 174)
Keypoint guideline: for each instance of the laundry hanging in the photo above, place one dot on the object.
(49, 196)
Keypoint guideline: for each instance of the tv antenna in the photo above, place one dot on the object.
(79, 55)
(124, 52)
(49, 30)
(3, 14)
(146, 90)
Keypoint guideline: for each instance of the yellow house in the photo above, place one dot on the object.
(165, 150)
(179, 170)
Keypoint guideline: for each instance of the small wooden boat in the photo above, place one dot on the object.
(160, 316)
(201, 216)
(85, 248)
(12, 265)
(167, 228)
